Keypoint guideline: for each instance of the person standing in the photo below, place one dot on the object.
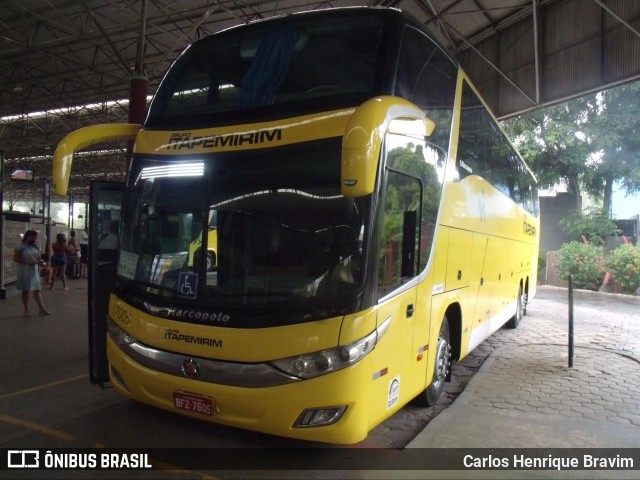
(73, 268)
(84, 250)
(72, 243)
(28, 258)
(59, 260)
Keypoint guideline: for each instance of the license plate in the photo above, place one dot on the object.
(193, 403)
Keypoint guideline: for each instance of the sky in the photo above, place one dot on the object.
(624, 206)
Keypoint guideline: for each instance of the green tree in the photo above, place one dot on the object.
(411, 160)
(587, 143)
(613, 130)
(547, 140)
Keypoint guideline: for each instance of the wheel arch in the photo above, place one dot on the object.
(453, 314)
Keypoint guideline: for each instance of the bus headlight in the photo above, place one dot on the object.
(118, 335)
(314, 364)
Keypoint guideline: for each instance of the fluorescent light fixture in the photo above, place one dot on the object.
(68, 110)
(173, 170)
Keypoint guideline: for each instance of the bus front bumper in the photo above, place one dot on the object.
(290, 410)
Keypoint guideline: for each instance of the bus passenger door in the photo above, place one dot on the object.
(399, 244)
(393, 383)
(105, 203)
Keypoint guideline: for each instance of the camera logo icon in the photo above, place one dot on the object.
(23, 459)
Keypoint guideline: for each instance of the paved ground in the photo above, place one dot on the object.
(530, 370)
(535, 357)
(525, 395)
(514, 390)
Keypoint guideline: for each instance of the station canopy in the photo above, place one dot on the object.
(65, 64)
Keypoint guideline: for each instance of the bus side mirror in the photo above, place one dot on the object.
(82, 138)
(363, 137)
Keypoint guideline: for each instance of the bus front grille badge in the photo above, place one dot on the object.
(191, 368)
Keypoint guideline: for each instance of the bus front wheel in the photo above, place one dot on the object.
(441, 368)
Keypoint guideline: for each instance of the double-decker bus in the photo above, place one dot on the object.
(373, 225)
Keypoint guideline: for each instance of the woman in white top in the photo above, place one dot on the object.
(28, 258)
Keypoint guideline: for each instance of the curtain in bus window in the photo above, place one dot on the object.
(268, 69)
(297, 60)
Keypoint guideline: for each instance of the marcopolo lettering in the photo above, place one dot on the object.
(197, 315)
(179, 141)
(175, 335)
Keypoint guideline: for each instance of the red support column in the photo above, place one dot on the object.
(137, 106)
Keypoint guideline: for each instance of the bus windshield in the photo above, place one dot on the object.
(307, 59)
(284, 232)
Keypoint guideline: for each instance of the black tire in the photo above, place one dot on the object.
(521, 310)
(442, 368)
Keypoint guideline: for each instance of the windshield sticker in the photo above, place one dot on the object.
(127, 264)
(188, 284)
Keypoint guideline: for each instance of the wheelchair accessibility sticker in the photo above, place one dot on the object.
(188, 284)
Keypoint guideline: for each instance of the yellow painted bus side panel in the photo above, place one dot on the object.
(473, 204)
(494, 246)
(494, 274)
(422, 321)
(465, 296)
(392, 384)
(440, 259)
(480, 302)
(458, 264)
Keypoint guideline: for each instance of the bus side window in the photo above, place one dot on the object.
(416, 171)
(427, 77)
(399, 234)
(484, 150)
(473, 137)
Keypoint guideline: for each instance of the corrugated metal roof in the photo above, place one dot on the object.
(65, 53)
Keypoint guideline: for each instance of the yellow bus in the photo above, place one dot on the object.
(374, 225)
(196, 249)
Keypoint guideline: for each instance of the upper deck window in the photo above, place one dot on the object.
(427, 77)
(272, 63)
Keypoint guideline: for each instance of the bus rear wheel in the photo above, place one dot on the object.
(521, 310)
